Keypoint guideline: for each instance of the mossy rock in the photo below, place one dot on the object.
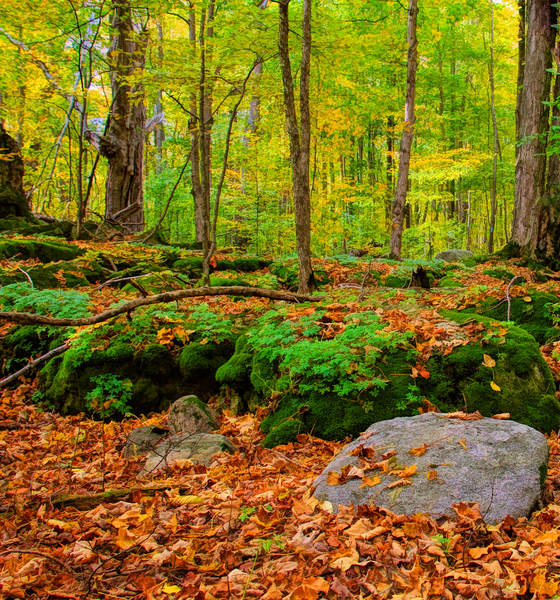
(46, 252)
(503, 275)
(394, 281)
(449, 281)
(470, 262)
(189, 266)
(287, 273)
(531, 315)
(22, 342)
(15, 225)
(249, 265)
(236, 372)
(284, 433)
(525, 382)
(225, 265)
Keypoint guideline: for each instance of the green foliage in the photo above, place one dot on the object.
(110, 396)
(21, 297)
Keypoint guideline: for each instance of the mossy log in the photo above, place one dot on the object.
(128, 307)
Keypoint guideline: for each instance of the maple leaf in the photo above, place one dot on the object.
(418, 451)
(367, 482)
(125, 539)
(344, 559)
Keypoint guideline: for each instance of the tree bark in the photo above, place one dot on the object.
(128, 307)
(407, 136)
(300, 137)
(123, 144)
(533, 125)
(13, 202)
(495, 130)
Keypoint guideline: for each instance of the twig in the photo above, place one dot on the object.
(119, 279)
(508, 296)
(36, 552)
(363, 288)
(31, 365)
(27, 275)
(247, 292)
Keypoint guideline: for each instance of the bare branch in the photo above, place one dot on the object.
(31, 365)
(247, 292)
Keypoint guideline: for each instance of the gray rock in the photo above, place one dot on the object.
(453, 255)
(201, 448)
(502, 467)
(191, 415)
(143, 440)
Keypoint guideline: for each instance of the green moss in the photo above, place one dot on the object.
(15, 225)
(533, 316)
(225, 265)
(503, 275)
(393, 281)
(46, 252)
(73, 274)
(449, 281)
(249, 265)
(287, 273)
(199, 360)
(155, 360)
(284, 433)
(236, 372)
(469, 262)
(191, 265)
(543, 472)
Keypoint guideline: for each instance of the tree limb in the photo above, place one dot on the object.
(31, 365)
(247, 292)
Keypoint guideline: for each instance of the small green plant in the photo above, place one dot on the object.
(21, 297)
(246, 512)
(411, 397)
(110, 396)
(443, 542)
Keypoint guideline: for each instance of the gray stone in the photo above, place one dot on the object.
(191, 415)
(453, 255)
(502, 468)
(200, 448)
(143, 440)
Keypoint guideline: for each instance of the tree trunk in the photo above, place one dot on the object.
(123, 144)
(533, 126)
(195, 154)
(13, 202)
(407, 136)
(520, 66)
(299, 142)
(495, 129)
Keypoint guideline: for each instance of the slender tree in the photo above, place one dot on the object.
(493, 206)
(399, 203)
(300, 136)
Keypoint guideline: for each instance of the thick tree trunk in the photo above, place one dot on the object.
(13, 202)
(123, 144)
(533, 125)
(520, 65)
(299, 141)
(407, 136)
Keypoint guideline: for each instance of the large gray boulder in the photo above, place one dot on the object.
(200, 448)
(143, 440)
(453, 255)
(191, 415)
(499, 464)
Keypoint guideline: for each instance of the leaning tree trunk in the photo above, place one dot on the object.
(123, 145)
(533, 126)
(399, 203)
(13, 202)
(299, 140)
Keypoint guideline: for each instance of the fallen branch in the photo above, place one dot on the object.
(247, 292)
(120, 279)
(7, 380)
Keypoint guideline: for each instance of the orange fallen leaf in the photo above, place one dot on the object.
(495, 386)
(366, 481)
(418, 451)
(501, 416)
(432, 475)
(488, 361)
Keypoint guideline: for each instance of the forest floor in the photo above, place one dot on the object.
(248, 525)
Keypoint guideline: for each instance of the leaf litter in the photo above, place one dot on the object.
(245, 527)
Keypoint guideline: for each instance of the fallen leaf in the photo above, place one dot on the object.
(344, 559)
(367, 482)
(463, 443)
(431, 475)
(418, 451)
(495, 387)
(501, 416)
(488, 361)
